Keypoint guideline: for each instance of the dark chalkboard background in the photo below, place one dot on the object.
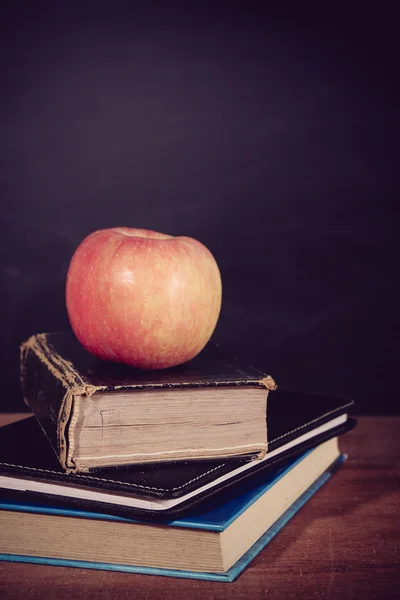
(269, 136)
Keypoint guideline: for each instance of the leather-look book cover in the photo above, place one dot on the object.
(297, 422)
(59, 377)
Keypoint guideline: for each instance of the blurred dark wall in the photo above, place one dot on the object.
(270, 137)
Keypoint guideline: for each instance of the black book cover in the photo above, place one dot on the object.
(297, 422)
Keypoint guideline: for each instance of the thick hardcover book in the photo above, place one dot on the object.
(216, 543)
(29, 467)
(98, 414)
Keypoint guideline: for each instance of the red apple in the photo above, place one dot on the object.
(143, 298)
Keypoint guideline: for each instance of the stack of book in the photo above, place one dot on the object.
(187, 472)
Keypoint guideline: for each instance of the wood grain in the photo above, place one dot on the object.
(345, 543)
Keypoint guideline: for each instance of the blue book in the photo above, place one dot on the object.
(215, 543)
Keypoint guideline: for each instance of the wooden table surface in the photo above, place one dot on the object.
(345, 543)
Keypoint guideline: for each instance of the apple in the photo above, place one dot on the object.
(143, 298)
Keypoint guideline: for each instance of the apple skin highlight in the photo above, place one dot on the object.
(143, 298)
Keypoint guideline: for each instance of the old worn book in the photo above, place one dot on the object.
(98, 414)
(216, 542)
(30, 469)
